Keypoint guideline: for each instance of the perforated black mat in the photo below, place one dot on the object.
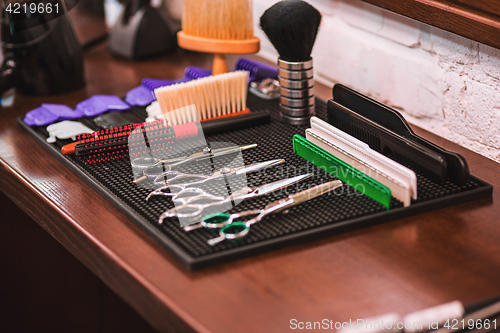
(331, 213)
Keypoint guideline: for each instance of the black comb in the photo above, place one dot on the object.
(387, 142)
(457, 168)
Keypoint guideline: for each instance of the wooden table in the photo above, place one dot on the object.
(398, 266)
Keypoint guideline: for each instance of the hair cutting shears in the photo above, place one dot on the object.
(234, 230)
(191, 209)
(149, 165)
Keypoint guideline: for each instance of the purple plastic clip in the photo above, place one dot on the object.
(191, 73)
(140, 96)
(258, 70)
(98, 104)
(63, 112)
(50, 113)
(39, 117)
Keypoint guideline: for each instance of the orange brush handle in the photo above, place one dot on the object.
(69, 149)
(220, 47)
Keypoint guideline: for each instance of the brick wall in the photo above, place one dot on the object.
(440, 81)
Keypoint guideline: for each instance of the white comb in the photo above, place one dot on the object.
(401, 180)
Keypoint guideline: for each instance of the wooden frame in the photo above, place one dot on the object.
(478, 20)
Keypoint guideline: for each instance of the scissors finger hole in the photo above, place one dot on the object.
(143, 162)
(188, 211)
(235, 230)
(216, 220)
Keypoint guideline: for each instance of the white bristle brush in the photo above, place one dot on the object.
(213, 96)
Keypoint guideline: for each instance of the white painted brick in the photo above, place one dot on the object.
(442, 82)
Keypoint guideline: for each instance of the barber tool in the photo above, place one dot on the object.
(224, 172)
(257, 70)
(220, 27)
(173, 175)
(110, 120)
(42, 55)
(401, 180)
(457, 168)
(150, 165)
(345, 172)
(236, 230)
(121, 142)
(66, 130)
(210, 126)
(143, 94)
(443, 318)
(141, 31)
(212, 96)
(438, 314)
(292, 26)
(98, 104)
(190, 73)
(190, 208)
(387, 142)
(49, 113)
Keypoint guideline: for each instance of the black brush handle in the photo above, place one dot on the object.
(458, 169)
(393, 145)
(235, 122)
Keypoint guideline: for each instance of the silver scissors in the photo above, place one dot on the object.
(190, 209)
(235, 230)
(226, 171)
(184, 187)
(185, 195)
(147, 164)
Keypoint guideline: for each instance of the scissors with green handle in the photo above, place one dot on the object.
(235, 230)
(192, 209)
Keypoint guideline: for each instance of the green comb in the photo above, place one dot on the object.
(343, 171)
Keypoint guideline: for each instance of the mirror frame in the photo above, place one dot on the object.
(479, 20)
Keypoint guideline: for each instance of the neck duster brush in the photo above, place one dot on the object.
(213, 97)
(292, 26)
(220, 27)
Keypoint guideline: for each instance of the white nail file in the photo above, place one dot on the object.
(401, 180)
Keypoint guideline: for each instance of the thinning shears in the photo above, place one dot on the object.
(224, 172)
(234, 230)
(148, 165)
(192, 209)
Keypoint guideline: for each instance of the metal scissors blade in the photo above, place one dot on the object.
(257, 166)
(234, 230)
(205, 154)
(245, 193)
(274, 186)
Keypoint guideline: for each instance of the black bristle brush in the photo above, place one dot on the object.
(292, 26)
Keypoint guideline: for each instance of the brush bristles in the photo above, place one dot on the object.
(184, 115)
(122, 142)
(291, 26)
(212, 96)
(218, 19)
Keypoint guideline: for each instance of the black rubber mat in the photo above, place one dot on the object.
(329, 214)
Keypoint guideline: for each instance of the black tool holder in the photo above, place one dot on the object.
(326, 215)
(141, 31)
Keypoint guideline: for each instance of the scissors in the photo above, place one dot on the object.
(234, 230)
(186, 195)
(190, 209)
(148, 163)
(226, 171)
